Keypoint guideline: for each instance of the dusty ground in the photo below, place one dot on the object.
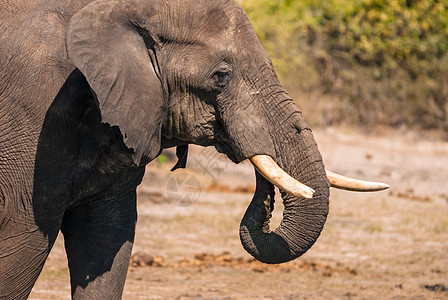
(387, 245)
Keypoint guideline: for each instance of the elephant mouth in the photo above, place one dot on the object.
(224, 149)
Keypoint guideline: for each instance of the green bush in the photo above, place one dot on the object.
(360, 62)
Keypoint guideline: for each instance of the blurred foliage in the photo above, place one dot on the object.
(361, 62)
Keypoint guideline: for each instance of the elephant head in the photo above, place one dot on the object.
(171, 72)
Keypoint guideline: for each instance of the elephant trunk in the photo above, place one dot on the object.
(303, 219)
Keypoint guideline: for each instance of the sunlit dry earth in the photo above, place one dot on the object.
(387, 245)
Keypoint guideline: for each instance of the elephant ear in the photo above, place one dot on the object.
(117, 58)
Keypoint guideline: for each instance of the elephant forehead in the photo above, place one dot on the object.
(214, 22)
(192, 22)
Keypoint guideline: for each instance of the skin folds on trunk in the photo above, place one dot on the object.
(303, 219)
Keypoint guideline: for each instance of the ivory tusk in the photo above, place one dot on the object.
(350, 184)
(267, 167)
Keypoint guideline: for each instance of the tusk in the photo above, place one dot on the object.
(350, 184)
(267, 167)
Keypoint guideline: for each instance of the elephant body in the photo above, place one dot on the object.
(91, 91)
(52, 169)
(57, 158)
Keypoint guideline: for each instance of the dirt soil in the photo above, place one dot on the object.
(387, 245)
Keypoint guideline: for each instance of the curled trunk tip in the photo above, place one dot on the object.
(302, 223)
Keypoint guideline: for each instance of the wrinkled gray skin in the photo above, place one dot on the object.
(90, 93)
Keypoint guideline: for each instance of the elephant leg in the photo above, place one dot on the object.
(23, 251)
(98, 241)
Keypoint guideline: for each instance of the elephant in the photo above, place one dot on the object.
(91, 91)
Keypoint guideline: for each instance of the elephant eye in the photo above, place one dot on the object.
(221, 78)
